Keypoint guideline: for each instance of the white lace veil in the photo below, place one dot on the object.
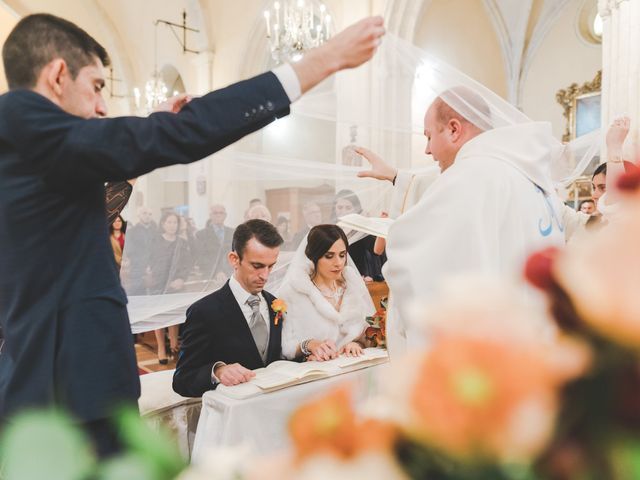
(299, 261)
(298, 168)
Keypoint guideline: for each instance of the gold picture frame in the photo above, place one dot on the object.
(581, 106)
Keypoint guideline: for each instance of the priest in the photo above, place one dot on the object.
(492, 204)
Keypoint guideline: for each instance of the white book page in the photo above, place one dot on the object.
(370, 355)
(372, 225)
(239, 392)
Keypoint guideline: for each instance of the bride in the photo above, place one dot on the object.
(327, 299)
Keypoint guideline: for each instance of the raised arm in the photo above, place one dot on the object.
(616, 135)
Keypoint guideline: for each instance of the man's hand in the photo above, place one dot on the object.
(322, 351)
(617, 134)
(380, 170)
(348, 49)
(357, 43)
(233, 374)
(174, 104)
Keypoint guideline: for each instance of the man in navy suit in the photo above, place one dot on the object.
(62, 309)
(233, 330)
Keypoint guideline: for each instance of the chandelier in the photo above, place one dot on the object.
(295, 26)
(155, 91)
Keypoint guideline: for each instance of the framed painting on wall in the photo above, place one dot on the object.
(587, 117)
(581, 107)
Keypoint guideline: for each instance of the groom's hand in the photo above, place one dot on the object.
(380, 169)
(233, 374)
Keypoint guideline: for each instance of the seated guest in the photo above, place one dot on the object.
(233, 330)
(327, 300)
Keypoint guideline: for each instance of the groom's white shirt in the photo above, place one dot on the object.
(485, 214)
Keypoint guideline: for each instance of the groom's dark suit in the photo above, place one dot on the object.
(62, 309)
(216, 330)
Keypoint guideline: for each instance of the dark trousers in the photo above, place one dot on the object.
(104, 437)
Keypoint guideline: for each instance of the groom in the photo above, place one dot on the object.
(233, 330)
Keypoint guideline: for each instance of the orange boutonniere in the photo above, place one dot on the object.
(280, 309)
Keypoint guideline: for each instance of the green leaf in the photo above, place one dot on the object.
(156, 448)
(45, 445)
(129, 467)
(626, 459)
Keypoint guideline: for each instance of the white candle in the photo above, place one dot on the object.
(266, 19)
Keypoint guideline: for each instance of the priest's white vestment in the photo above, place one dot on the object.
(485, 214)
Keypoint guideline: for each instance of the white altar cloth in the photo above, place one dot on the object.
(162, 407)
(260, 423)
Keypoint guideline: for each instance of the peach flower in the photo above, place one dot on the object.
(485, 399)
(489, 383)
(601, 275)
(329, 425)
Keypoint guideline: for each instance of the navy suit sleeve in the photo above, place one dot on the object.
(192, 376)
(71, 150)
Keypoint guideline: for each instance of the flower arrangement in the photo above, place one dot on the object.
(279, 307)
(376, 333)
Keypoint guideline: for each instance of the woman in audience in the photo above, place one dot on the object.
(169, 269)
(116, 235)
(327, 300)
(367, 260)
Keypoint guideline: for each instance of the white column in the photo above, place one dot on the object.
(200, 188)
(203, 72)
(621, 65)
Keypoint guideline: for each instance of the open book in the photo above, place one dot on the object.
(370, 225)
(283, 373)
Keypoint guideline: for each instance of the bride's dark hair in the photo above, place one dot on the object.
(320, 239)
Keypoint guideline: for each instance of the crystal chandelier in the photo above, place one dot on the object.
(295, 26)
(155, 91)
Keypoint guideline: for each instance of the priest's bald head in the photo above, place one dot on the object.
(456, 116)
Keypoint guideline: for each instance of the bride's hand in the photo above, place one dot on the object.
(352, 349)
(325, 350)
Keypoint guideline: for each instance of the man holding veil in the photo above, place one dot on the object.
(501, 169)
(62, 309)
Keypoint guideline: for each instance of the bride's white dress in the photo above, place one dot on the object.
(311, 316)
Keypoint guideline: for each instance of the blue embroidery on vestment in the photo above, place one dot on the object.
(545, 231)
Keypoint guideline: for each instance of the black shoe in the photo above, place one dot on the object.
(163, 361)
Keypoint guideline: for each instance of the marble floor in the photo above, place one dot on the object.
(147, 356)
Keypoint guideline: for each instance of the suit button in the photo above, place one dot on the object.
(253, 111)
(261, 107)
(269, 106)
(246, 115)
